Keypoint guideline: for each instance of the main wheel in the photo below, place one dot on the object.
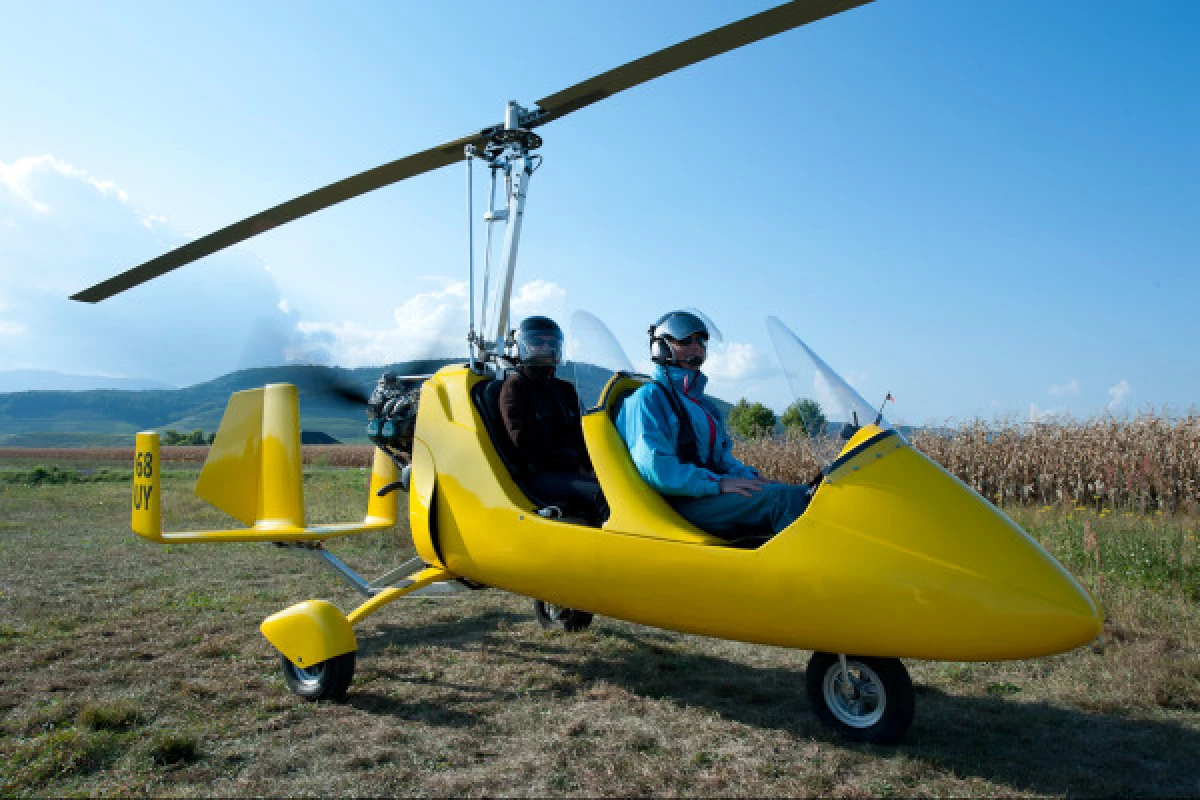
(327, 680)
(874, 703)
(561, 618)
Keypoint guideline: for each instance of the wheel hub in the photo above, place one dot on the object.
(310, 676)
(856, 697)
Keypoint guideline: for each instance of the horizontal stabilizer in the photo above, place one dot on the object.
(254, 473)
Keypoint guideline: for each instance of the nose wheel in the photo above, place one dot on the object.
(862, 698)
(328, 680)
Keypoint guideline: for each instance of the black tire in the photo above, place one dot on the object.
(876, 708)
(560, 618)
(327, 680)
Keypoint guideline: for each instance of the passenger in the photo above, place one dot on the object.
(680, 446)
(541, 416)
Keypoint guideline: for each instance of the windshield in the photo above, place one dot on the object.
(828, 410)
(593, 356)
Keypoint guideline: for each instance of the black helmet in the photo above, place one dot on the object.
(539, 342)
(675, 325)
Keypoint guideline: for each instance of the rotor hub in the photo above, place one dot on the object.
(526, 139)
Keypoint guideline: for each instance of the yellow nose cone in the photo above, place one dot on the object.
(933, 570)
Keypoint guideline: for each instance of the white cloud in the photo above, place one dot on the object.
(1117, 395)
(1070, 388)
(19, 176)
(222, 313)
(538, 297)
(734, 361)
(428, 325)
(73, 230)
(1040, 414)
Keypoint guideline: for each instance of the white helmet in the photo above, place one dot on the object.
(676, 326)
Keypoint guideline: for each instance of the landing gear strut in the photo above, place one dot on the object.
(561, 618)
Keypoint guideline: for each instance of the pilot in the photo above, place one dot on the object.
(680, 446)
(541, 416)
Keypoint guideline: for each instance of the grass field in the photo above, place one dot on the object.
(132, 668)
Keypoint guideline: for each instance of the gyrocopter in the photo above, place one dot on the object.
(894, 557)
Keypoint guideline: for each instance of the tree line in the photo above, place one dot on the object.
(750, 420)
(173, 438)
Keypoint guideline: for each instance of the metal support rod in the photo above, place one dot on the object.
(400, 572)
(344, 572)
(512, 237)
(487, 251)
(397, 578)
(470, 259)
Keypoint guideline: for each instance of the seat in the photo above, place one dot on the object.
(622, 472)
(486, 395)
(639, 509)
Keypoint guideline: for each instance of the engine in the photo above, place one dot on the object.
(392, 413)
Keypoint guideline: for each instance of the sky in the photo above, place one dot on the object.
(987, 208)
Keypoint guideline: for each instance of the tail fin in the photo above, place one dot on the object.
(147, 485)
(254, 469)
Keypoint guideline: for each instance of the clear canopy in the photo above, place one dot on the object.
(593, 356)
(830, 410)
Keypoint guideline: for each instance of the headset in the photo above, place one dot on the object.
(675, 325)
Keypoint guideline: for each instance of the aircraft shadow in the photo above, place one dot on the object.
(1027, 746)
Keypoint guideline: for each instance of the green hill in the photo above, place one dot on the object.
(111, 416)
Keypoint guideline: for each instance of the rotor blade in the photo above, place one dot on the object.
(334, 385)
(706, 45)
(332, 194)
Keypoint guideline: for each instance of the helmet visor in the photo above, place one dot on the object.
(540, 348)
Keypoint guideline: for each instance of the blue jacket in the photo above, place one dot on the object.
(651, 432)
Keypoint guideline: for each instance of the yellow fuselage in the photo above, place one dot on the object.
(894, 556)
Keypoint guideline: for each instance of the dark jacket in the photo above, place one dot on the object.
(541, 416)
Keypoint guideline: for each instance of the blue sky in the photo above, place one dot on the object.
(987, 207)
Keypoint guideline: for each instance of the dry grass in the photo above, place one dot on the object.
(133, 668)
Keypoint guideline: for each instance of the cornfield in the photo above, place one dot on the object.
(1147, 463)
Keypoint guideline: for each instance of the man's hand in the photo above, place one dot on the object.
(746, 487)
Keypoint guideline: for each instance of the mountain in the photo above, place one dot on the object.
(24, 380)
(110, 416)
(106, 416)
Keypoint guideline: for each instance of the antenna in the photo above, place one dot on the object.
(879, 416)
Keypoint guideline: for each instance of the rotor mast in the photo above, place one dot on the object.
(509, 151)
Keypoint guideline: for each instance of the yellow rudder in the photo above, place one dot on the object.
(147, 488)
(281, 486)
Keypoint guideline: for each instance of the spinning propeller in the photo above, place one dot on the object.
(519, 124)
